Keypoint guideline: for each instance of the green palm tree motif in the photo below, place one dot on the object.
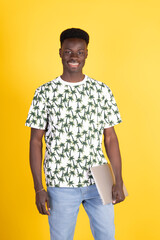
(41, 91)
(66, 91)
(61, 131)
(74, 142)
(110, 123)
(70, 109)
(79, 125)
(78, 100)
(56, 140)
(57, 185)
(68, 141)
(70, 183)
(36, 108)
(68, 116)
(91, 97)
(60, 108)
(66, 176)
(79, 160)
(62, 146)
(32, 114)
(83, 107)
(52, 154)
(85, 181)
(85, 168)
(61, 169)
(91, 121)
(54, 101)
(86, 89)
(43, 111)
(90, 104)
(75, 166)
(83, 118)
(99, 91)
(84, 143)
(84, 132)
(54, 90)
(38, 117)
(62, 155)
(66, 151)
(66, 127)
(93, 111)
(94, 160)
(56, 171)
(80, 175)
(80, 150)
(71, 123)
(34, 121)
(47, 89)
(70, 99)
(79, 185)
(52, 177)
(71, 159)
(74, 118)
(72, 91)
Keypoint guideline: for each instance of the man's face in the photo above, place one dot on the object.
(73, 53)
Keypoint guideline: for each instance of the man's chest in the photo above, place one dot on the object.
(75, 108)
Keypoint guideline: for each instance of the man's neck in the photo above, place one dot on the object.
(73, 77)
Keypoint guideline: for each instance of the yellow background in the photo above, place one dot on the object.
(124, 53)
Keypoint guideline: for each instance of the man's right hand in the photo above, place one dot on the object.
(41, 199)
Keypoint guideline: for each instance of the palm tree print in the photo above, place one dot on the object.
(73, 117)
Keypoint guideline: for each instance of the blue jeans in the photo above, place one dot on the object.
(64, 208)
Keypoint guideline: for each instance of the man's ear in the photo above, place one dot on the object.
(60, 52)
(86, 53)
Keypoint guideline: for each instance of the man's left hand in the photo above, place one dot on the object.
(117, 193)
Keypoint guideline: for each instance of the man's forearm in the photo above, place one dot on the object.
(113, 153)
(36, 163)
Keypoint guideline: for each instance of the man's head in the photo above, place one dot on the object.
(73, 51)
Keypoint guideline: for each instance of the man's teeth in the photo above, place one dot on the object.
(75, 64)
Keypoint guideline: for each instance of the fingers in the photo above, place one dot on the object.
(41, 200)
(114, 198)
(48, 203)
(114, 195)
(44, 210)
(117, 200)
(117, 195)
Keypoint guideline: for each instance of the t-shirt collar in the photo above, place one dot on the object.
(72, 83)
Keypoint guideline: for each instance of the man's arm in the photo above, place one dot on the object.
(36, 169)
(113, 153)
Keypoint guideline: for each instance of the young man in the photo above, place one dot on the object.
(73, 111)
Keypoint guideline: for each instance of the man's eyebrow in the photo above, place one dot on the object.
(78, 49)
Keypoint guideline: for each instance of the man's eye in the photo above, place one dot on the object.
(67, 52)
(80, 53)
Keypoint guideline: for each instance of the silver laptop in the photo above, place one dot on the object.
(104, 180)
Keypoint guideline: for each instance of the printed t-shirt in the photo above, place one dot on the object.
(73, 115)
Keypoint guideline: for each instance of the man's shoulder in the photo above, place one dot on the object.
(46, 86)
(99, 84)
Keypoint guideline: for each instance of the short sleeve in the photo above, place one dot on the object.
(37, 115)
(111, 112)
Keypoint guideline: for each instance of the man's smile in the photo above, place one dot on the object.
(73, 64)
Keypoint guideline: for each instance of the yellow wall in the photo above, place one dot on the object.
(124, 52)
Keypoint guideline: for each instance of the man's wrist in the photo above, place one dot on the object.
(42, 189)
(119, 181)
(38, 187)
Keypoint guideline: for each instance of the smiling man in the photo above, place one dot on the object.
(73, 111)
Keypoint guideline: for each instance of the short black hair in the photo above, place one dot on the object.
(74, 33)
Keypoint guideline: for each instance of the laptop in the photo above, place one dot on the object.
(104, 179)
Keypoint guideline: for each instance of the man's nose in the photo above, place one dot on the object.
(74, 54)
